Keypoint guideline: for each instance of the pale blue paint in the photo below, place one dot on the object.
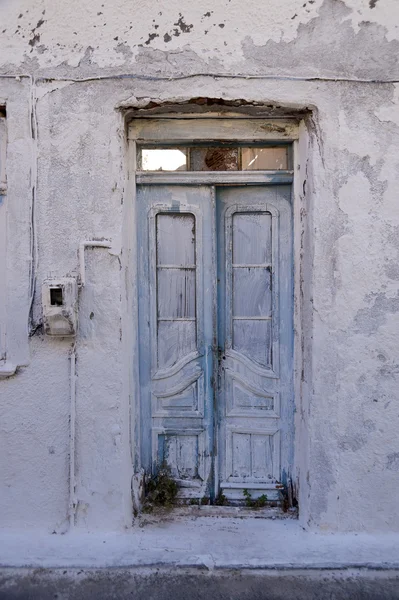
(238, 432)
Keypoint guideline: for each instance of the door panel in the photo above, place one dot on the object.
(176, 306)
(255, 339)
(215, 335)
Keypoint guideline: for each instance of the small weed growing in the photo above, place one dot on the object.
(221, 500)
(161, 490)
(199, 501)
(285, 504)
(254, 503)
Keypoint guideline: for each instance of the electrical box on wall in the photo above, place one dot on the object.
(59, 299)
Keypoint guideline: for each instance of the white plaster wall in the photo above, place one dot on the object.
(347, 451)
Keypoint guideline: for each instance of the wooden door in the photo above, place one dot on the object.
(215, 336)
(255, 340)
(177, 303)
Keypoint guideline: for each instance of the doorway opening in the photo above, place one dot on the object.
(215, 288)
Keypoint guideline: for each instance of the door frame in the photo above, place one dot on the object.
(175, 129)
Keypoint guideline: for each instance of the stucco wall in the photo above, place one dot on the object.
(339, 59)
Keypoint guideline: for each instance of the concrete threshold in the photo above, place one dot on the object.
(213, 542)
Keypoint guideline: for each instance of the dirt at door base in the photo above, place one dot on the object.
(181, 513)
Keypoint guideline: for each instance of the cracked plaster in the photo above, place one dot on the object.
(350, 217)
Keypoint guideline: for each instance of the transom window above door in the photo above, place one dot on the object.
(226, 157)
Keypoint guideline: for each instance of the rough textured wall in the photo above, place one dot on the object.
(355, 38)
(348, 457)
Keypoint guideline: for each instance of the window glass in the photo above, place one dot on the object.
(252, 285)
(163, 159)
(264, 159)
(176, 286)
(214, 159)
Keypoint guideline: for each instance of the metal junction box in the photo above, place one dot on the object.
(59, 299)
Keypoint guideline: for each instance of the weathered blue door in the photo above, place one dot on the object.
(255, 403)
(215, 336)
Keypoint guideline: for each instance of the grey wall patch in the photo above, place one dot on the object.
(393, 461)
(319, 43)
(368, 320)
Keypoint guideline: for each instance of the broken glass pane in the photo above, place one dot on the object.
(214, 159)
(264, 159)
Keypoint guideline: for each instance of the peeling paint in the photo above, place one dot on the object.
(77, 82)
(288, 42)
